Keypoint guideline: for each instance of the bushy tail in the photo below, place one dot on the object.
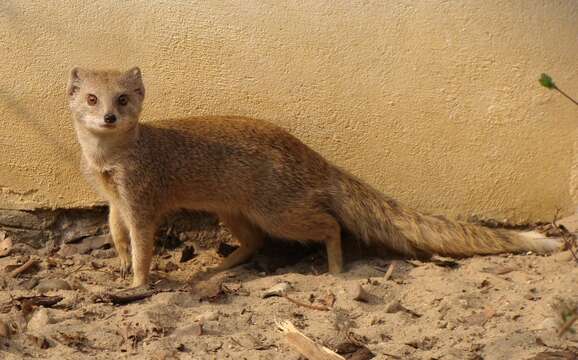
(375, 218)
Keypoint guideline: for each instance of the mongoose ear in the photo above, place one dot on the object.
(134, 75)
(74, 80)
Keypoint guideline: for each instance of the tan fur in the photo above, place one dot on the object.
(257, 177)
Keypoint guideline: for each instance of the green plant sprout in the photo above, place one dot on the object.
(547, 82)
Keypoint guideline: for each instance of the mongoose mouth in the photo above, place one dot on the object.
(108, 126)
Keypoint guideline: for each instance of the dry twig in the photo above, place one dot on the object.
(310, 306)
(23, 268)
(74, 270)
(568, 324)
(389, 271)
(567, 310)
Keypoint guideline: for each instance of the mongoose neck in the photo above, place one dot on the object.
(103, 151)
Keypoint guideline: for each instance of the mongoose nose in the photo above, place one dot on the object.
(110, 118)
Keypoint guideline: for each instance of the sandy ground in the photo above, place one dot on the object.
(494, 307)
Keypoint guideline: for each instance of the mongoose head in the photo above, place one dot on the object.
(106, 102)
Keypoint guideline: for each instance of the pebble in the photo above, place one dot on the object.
(563, 256)
(104, 253)
(39, 320)
(277, 290)
(52, 284)
(547, 324)
(4, 331)
(180, 299)
(393, 307)
(208, 316)
(29, 284)
(190, 330)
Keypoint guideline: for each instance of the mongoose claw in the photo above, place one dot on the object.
(124, 269)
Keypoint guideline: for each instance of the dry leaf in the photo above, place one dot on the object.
(498, 270)
(5, 244)
(328, 300)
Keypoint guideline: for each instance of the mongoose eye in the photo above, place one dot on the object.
(123, 100)
(91, 99)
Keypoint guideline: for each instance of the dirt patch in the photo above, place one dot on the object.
(493, 307)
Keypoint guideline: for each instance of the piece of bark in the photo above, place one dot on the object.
(362, 353)
(125, 297)
(304, 345)
(556, 355)
(46, 301)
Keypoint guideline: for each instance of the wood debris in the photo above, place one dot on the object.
(389, 271)
(304, 345)
(24, 267)
(279, 289)
(498, 270)
(309, 306)
(125, 297)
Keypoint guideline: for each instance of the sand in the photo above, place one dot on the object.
(491, 307)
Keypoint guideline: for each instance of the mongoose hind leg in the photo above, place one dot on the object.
(120, 238)
(312, 225)
(249, 235)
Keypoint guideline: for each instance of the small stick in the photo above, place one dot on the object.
(310, 306)
(24, 267)
(304, 345)
(46, 301)
(556, 214)
(568, 324)
(574, 254)
(565, 95)
(389, 271)
(75, 270)
(546, 81)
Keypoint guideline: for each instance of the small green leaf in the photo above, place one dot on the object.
(546, 81)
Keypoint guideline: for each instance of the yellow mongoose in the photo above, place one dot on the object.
(255, 176)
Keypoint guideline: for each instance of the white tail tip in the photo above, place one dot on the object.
(540, 243)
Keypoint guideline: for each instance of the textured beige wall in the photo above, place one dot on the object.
(434, 102)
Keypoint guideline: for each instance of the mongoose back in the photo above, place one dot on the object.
(259, 179)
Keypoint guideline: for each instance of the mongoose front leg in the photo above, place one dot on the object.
(120, 238)
(250, 237)
(142, 246)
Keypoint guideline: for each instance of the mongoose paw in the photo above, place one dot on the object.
(335, 269)
(133, 286)
(210, 272)
(124, 268)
